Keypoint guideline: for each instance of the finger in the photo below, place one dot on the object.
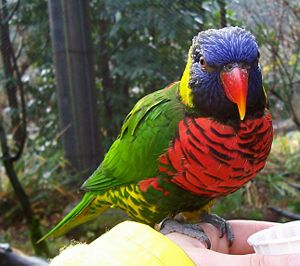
(243, 229)
(217, 244)
(202, 256)
(211, 258)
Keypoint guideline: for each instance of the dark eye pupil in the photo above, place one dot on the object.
(202, 61)
(258, 55)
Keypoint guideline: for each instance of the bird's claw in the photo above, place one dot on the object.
(169, 225)
(220, 223)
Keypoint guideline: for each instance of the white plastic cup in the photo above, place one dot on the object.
(278, 239)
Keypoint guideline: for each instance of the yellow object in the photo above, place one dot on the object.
(128, 243)
(184, 90)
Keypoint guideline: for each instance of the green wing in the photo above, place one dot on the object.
(145, 134)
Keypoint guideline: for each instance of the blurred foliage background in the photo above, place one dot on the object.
(138, 47)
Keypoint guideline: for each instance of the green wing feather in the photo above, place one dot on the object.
(77, 216)
(145, 134)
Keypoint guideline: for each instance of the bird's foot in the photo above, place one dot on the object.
(221, 224)
(169, 225)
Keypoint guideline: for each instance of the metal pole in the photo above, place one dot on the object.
(76, 93)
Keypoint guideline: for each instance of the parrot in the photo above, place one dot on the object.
(182, 147)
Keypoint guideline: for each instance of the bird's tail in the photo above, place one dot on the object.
(88, 208)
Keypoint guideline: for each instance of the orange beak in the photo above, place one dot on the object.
(235, 84)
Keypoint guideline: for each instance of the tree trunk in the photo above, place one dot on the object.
(223, 20)
(77, 97)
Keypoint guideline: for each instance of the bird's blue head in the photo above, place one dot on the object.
(222, 78)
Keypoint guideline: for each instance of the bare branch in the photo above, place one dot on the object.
(23, 106)
(284, 213)
(12, 72)
(294, 185)
(3, 140)
(9, 16)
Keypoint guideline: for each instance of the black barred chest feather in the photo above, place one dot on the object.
(211, 159)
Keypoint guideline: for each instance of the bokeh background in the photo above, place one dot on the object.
(70, 71)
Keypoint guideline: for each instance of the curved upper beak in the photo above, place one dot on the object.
(235, 83)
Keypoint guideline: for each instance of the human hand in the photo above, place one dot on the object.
(240, 253)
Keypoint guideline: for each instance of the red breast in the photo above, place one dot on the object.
(213, 159)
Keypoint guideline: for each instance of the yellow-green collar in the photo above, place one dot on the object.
(184, 90)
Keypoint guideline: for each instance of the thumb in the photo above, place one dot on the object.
(212, 258)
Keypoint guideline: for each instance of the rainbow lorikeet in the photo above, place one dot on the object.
(182, 147)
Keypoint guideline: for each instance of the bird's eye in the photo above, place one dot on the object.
(202, 62)
(258, 55)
